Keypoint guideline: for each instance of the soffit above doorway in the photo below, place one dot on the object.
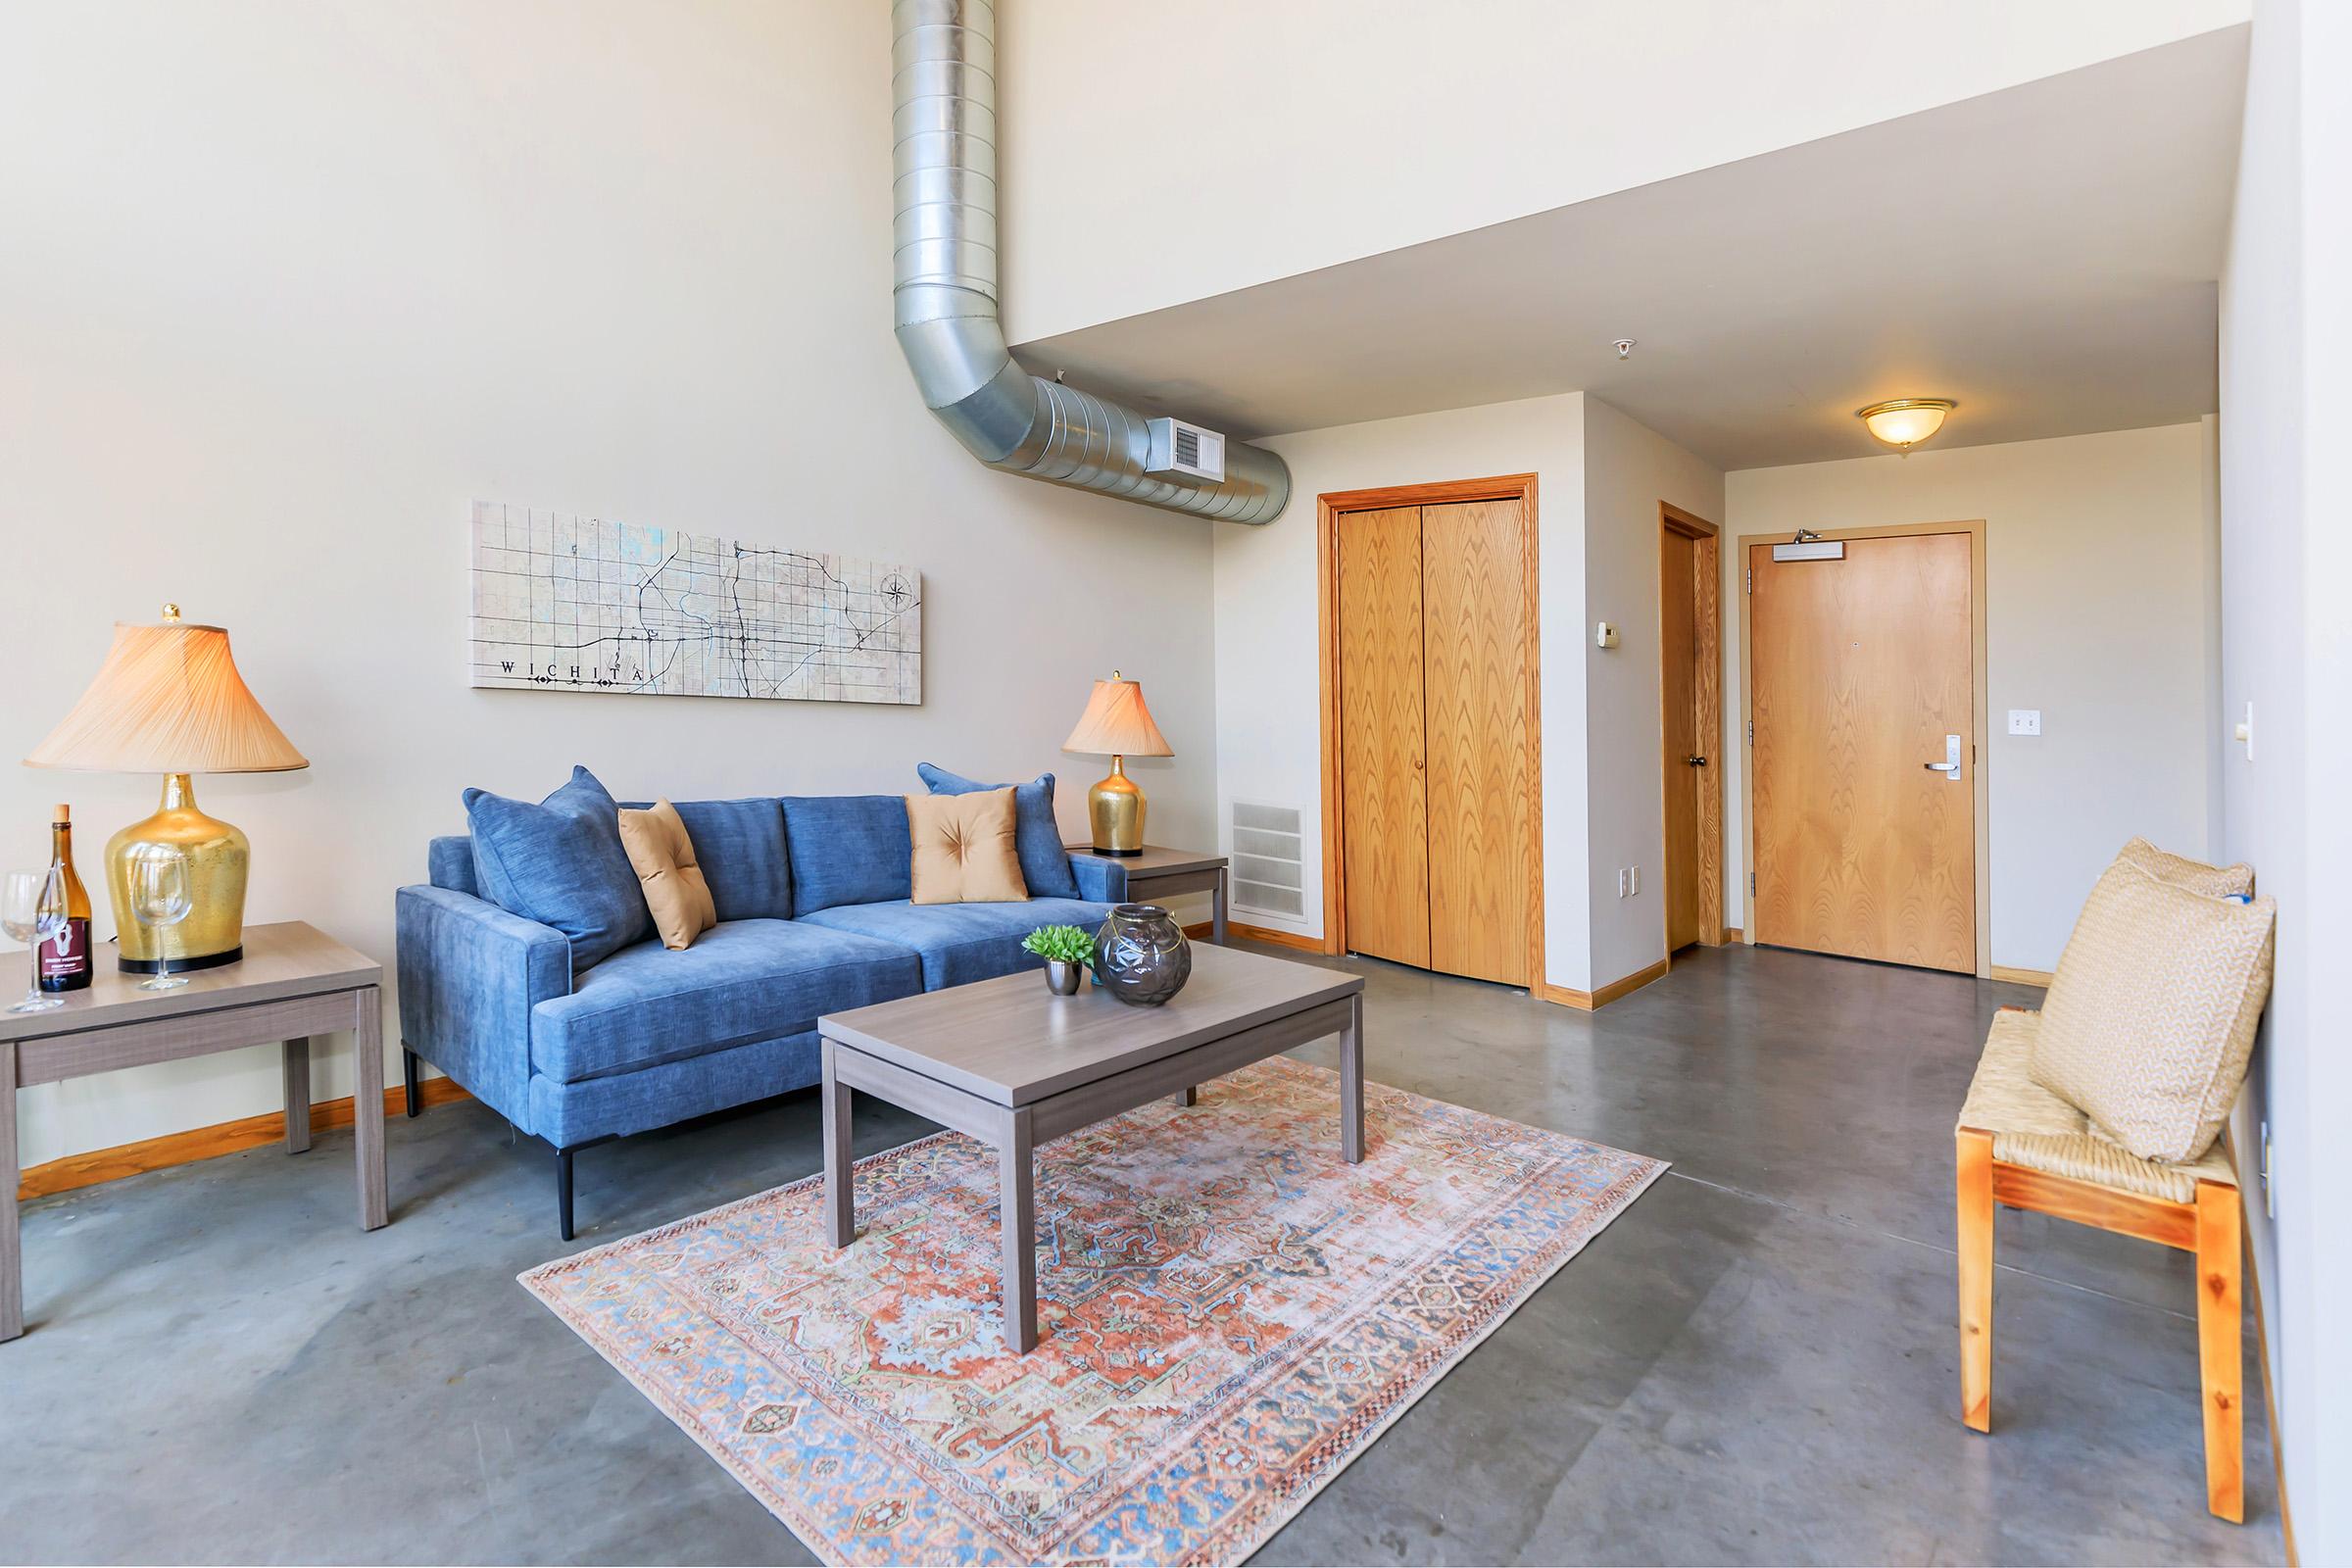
(2047, 255)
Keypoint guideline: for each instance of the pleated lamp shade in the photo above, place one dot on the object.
(169, 700)
(1116, 723)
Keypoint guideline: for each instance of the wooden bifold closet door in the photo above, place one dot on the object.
(1434, 672)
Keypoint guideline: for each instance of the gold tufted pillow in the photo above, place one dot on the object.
(2150, 1017)
(964, 849)
(663, 854)
(2214, 881)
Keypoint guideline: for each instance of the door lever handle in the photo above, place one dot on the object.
(1696, 761)
(1941, 768)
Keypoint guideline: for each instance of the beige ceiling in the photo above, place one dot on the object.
(2046, 254)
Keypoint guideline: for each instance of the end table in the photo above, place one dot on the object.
(1160, 873)
(293, 982)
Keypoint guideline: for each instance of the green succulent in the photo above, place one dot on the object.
(1060, 944)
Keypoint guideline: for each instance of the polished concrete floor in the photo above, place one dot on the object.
(1755, 1363)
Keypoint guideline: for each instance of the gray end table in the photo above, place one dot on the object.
(1161, 873)
(1013, 1065)
(294, 982)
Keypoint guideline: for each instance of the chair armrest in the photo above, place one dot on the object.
(1100, 881)
(469, 975)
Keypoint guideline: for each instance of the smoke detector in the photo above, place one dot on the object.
(1180, 448)
(1624, 347)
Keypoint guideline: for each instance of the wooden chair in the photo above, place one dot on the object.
(2023, 1146)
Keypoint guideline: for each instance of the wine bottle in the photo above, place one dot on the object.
(66, 957)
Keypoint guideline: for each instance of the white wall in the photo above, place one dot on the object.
(1268, 723)
(2286, 649)
(2097, 561)
(1310, 133)
(1629, 468)
(285, 286)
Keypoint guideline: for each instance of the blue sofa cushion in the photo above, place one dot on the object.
(848, 849)
(960, 943)
(740, 847)
(742, 981)
(1045, 863)
(560, 863)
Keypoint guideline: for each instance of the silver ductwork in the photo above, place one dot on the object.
(943, 93)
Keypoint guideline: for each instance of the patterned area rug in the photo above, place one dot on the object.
(1228, 1314)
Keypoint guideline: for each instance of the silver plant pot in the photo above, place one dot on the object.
(1063, 977)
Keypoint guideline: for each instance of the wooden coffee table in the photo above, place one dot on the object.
(1016, 1066)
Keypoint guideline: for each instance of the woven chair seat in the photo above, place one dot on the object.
(2034, 1128)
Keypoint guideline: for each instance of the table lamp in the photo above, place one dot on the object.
(1116, 723)
(168, 701)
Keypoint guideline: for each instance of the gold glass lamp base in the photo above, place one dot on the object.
(214, 932)
(1115, 810)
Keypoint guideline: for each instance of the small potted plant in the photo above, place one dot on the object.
(1067, 950)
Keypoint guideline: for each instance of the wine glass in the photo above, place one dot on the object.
(160, 900)
(33, 910)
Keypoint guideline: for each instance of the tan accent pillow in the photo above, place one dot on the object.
(674, 890)
(2150, 1017)
(2214, 881)
(964, 849)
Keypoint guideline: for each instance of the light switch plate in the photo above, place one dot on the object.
(2025, 722)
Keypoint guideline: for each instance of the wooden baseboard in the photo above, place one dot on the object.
(1235, 930)
(2020, 977)
(1587, 1000)
(203, 1143)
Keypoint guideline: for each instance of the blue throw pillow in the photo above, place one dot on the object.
(560, 863)
(740, 847)
(848, 849)
(1045, 863)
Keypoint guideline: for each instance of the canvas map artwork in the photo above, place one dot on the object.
(565, 602)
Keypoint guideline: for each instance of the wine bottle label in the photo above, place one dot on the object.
(65, 959)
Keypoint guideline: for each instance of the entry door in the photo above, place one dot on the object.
(1479, 752)
(1863, 692)
(1384, 802)
(1683, 754)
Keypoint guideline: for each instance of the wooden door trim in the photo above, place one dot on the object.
(1707, 614)
(1329, 508)
(1975, 529)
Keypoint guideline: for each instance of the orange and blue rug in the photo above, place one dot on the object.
(1228, 1313)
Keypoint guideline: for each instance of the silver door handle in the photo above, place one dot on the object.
(1949, 767)
(1952, 768)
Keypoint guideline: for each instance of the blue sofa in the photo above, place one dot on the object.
(812, 902)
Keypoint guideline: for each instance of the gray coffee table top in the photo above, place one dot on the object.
(1010, 1040)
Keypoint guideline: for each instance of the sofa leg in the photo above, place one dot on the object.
(2220, 1349)
(412, 1091)
(1975, 1182)
(564, 1190)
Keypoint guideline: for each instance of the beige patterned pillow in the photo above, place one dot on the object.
(2150, 1017)
(2214, 881)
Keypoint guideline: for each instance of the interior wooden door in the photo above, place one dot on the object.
(1678, 709)
(1863, 692)
(1480, 759)
(1384, 808)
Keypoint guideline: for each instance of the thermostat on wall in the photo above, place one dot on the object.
(1604, 635)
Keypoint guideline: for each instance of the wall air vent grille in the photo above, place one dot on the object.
(1269, 859)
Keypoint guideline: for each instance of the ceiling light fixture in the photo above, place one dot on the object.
(1904, 422)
